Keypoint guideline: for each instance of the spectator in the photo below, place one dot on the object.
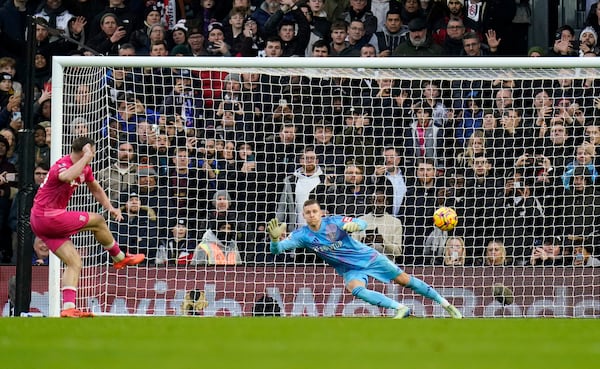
(580, 205)
(476, 147)
(111, 36)
(592, 19)
(549, 254)
(451, 37)
(357, 138)
(153, 196)
(140, 38)
(9, 65)
(294, 35)
(121, 176)
(583, 253)
(181, 99)
(491, 15)
(356, 38)
(472, 45)
(56, 15)
(417, 212)
(138, 229)
(584, 157)
(339, 46)
(368, 51)
(563, 42)
(308, 181)
(234, 29)
(389, 178)
(495, 254)
(187, 186)
(179, 37)
(42, 150)
(13, 25)
(319, 25)
(328, 153)
(351, 195)
(454, 252)
(481, 187)
(215, 41)
(196, 42)
(265, 11)
(41, 253)
(121, 11)
(423, 138)
(320, 49)
(519, 219)
(11, 154)
(409, 10)
(178, 248)
(588, 42)
(252, 43)
(358, 10)
(384, 231)
(419, 42)
(217, 247)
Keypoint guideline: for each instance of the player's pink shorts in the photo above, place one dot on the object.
(55, 227)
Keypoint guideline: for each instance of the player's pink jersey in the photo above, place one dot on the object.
(55, 194)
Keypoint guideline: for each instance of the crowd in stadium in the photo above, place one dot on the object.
(206, 158)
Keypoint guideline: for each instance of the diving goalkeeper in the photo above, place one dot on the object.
(329, 237)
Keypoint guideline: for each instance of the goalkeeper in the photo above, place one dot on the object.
(329, 237)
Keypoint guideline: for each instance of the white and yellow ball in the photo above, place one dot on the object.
(445, 218)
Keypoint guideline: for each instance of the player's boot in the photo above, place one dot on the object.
(75, 313)
(453, 312)
(402, 312)
(129, 260)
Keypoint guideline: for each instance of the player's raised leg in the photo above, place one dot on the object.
(426, 290)
(358, 288)
(98, 226)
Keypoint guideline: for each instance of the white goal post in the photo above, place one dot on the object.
(507, 202)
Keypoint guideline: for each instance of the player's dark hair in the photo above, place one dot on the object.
(78, 143)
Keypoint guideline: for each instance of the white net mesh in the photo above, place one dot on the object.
(199, 159)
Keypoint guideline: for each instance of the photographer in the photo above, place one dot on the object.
(216, 45)
(564, 42)
(112, 36)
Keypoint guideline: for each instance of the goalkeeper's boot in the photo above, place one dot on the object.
(75, 313)
(402, 312)
(129, 260)
(453, 311)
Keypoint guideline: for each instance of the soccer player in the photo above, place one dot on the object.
(52, 223)
(329, 237)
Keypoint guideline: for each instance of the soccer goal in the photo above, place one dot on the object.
(199, 153)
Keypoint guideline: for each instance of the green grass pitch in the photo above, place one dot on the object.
(209, 343)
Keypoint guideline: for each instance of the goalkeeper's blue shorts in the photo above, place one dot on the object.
(381, 269)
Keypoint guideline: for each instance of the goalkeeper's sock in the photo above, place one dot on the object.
(426, 290)
(69, 293)
(115, 251)
(375, 298)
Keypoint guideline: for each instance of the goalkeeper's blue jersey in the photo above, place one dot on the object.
(331, 243)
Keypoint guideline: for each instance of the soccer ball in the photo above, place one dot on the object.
(445, 218)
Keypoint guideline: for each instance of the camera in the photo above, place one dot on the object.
(211, 46)
(283, 102)
(575, 45)
(11, 177)
(16, 115)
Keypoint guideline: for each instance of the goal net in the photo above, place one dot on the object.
(199, 153)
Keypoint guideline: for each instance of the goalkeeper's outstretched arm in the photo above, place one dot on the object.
(276, 230)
